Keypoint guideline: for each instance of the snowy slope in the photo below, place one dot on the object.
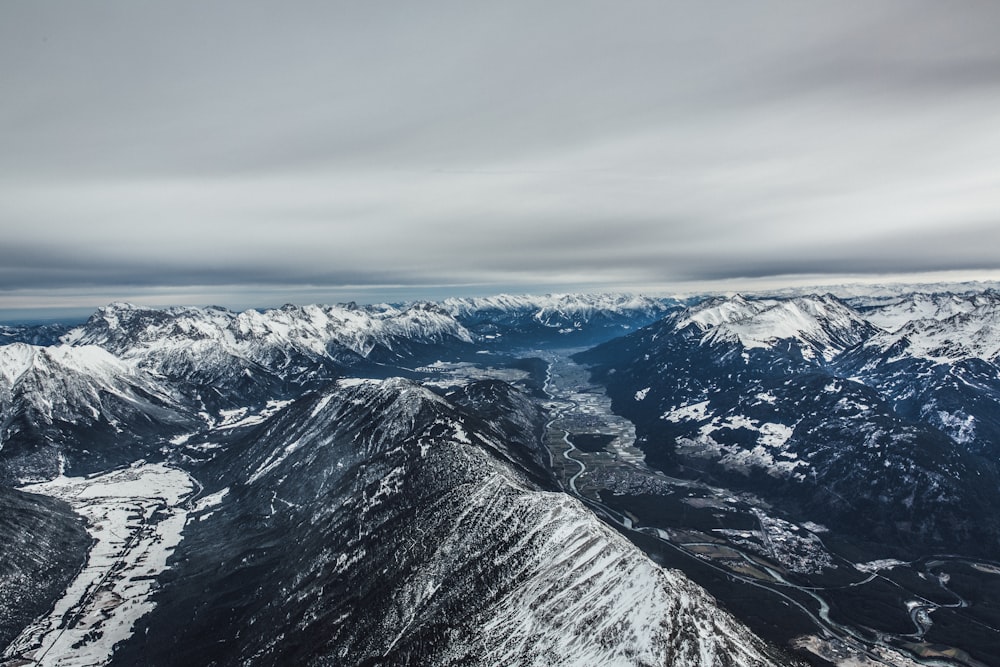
(379, 523)
(36, 371)
(44, 545)
(66, 404)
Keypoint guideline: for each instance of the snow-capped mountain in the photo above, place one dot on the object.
(324, 511)
(567, 319)
(81, 408)
(943, 328)
(317, 331)
(817, 325)
(940, 368)
(228, 357)
(769, 395)
(891, 314)
(379, 523)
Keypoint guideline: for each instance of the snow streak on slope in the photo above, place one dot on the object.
(135, 518)
(586, 596)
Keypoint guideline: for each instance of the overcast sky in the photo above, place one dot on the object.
(256, 153)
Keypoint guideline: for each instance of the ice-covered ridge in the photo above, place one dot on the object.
(586, 596)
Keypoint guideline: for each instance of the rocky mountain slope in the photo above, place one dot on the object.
(797, 400)
(44, 544)
(379, 523)
(80, 409)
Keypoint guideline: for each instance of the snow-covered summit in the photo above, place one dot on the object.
(19, 361)
(952, 328)
(51, 396)
(896, 313)
(821, 325)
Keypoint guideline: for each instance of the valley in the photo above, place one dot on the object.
(733, 544)
(136, 517)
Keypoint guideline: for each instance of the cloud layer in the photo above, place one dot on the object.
(516, 144)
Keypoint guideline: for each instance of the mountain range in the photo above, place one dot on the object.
(383, 485)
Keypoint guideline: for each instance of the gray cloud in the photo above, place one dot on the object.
(512, 144)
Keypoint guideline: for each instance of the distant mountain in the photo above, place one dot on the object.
(226, 358)
(564, 319)
(864, 294)
(379, 523)
(816, 325)
(942, 367)
(942, 328)
(32, 334)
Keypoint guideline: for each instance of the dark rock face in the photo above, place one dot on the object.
(44, 545)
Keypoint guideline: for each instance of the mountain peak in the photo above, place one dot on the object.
(819, 324)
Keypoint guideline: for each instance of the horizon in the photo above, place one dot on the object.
(71, 314)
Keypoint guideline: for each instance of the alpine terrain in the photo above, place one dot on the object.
(525, 480)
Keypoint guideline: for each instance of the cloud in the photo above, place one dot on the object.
(226, 144)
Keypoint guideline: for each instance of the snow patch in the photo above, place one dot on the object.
(878, 565)
(690, 412)
(136, 517)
